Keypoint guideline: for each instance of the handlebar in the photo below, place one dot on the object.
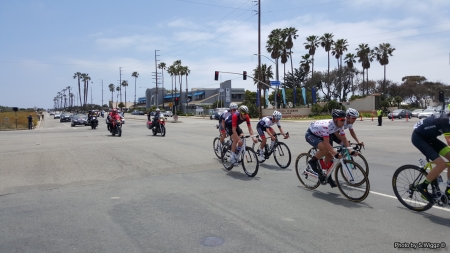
(357, 146)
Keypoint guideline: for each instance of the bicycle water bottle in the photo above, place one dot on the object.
(271, 145)
(238, 150)
(322, 164)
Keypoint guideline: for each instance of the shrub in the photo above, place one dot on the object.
(316, 110)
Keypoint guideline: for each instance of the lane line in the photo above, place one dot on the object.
(394, 197)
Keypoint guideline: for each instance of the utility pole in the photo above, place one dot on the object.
(259, 59)
(156, 74)
(120, 83)
(91, 95)
(102, 92)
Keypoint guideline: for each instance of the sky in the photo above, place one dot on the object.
(44, 42)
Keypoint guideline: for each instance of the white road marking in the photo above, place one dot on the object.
(394, 197)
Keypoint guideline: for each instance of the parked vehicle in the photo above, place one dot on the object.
(57, 115)
(427, 113)
(78, 119)
(168, 114)
(400, 113)
(416, 112)
(159, 128)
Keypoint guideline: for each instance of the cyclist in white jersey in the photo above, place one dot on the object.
(318, 135)
(265, 125)
(352, 115)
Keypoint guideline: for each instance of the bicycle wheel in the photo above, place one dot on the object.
(305, 174)
(250, 163)
(361, 160)
(404, 184)
(216, 147)
(282, 155)
(226, 159)
(345, 180)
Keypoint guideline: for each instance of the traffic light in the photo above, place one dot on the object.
(244, 75)
(441, 96)
(176, 101)
(216, 75)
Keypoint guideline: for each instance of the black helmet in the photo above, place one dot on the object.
(338, 114)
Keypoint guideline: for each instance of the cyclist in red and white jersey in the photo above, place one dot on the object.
(318, 135)
(352, 115)
(232, 126)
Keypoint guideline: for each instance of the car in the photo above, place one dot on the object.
(52, 113)
(168, 114)
(64, 117)
(416, 112)
(215, 115)
(57, 115)
(78, 119)
(427, 113)
(400, 113)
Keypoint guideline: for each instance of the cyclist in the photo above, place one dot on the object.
(222, 118)
(352, 115)
(232, 127)
(265, 125)
(317, 136)
(425, 139)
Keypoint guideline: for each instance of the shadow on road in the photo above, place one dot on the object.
(336, 198)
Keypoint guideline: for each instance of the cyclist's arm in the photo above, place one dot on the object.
(326, 140)
(447, 138)
(353, 134)
(250, 130)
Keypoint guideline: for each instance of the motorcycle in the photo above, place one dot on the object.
(93, 122)
(159, 128)
(117, 129)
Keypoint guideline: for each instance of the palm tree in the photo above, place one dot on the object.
(68, 88)
(71, 99)
(78, 76)
(186, 71)
(275, 46)
(362, 53)
(305, 63)
(311, 44)
(135, 75)
(86, 79)
(118, 89)
(382, 54)
(326, 41)
(111, 88)
(177, 72)
(350, 60)
(265, 74)
(291, 33)
(125, 84)
(162, 67)
(171, 71)
(338, 50)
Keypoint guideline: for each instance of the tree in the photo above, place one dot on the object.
(350, 60)
(111, 88)
(326, 41)
(162, 67)
(86, 79)
(265, 73)
(78, 76)
(186, 71)
(275, 46)
(363, 54)
(121, 106)
(311, 44)
(135, 75)
(382, 54)
(125, 84)
(338, 50)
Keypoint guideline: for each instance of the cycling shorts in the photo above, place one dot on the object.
(431, 148)
(313, 139)
(261, 129)
(229, 130)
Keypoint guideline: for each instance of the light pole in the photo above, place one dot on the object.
(277, 77)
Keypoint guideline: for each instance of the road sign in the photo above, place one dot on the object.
(275, 83)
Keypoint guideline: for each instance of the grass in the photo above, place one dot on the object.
(8, 120)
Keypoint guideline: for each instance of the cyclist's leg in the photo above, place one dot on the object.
(315, 141)
(261, 134)
(447, 156)
(239, 142)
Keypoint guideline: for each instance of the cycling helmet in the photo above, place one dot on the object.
(243, 109)
(277, 115)
(157, 110)
(114, 110)
(233, 106)
(338, 114)
(352, 112)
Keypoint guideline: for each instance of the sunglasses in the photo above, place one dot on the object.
(353, 117)
(341, 119)
(243, 113)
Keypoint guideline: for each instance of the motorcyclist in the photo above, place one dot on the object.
(109, 118)
(156, 117)
(113, 117)
(89, 116)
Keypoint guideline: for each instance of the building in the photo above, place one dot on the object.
(196, 97)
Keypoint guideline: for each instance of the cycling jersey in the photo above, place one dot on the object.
(432, 127)
(236, 120)
(347, 125)
(324, 128)
(224, 115)
(267, 122)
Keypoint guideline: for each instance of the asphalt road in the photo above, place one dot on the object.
(73, 189)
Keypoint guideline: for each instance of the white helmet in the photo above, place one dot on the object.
(277, 115)
(352, 112)
(243, 109)
(157, 109)
(233, 106)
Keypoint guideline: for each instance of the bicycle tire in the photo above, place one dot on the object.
(403, 184)
(303, 175)
(363, 164)
(248, 158)
(351, 191)
(216, 149)
(351, 174)
(226, 159)
(280, 151)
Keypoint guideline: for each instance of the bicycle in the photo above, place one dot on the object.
(216, 145)
(359, 159)
(404, 184)
(246, 157)
(278, 149)
(350, 177)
